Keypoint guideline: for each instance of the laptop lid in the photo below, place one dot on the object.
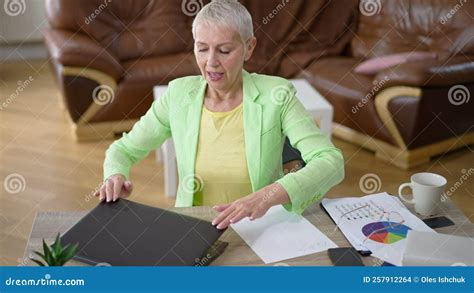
(126, 233)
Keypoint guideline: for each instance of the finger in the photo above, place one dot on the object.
(224, 223)
(117, 188)
(128, 187)
(102, 192)
(223, 215)
(109, 190)
(220, 208)
(239, 216)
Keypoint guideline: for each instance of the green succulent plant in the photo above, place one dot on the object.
(56, 254)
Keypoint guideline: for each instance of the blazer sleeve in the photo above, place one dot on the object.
(149, 133)
(324, 162)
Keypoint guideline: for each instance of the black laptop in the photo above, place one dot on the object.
(126, 233)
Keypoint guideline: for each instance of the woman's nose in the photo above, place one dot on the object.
(212, 60)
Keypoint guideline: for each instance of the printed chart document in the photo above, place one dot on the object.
(280, 235)
(377, 222)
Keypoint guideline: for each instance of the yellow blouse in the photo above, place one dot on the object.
(221, 165)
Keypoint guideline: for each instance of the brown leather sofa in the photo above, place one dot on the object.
(406, 113)
(107, 56)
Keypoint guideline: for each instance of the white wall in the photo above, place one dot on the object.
(21, 22)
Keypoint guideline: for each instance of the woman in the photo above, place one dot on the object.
(229, 127)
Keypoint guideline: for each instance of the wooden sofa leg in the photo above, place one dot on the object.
(403, 159)
(87, 132)
(101, 130)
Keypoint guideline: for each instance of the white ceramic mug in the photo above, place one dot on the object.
(427, 189)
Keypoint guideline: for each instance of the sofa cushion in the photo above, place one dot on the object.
(127, 28)
(377, 64)
(159, 70)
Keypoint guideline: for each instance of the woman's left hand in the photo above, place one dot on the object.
(254, 205)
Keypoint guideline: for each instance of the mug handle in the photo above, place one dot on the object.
(400, 189)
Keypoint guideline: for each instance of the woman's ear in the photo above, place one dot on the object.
(251, 43)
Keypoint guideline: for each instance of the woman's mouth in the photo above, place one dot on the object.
(215, 76)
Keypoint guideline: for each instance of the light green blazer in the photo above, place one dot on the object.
(271, 112)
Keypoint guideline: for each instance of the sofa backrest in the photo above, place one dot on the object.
(291, 34)
(393, 26)
(129, 29)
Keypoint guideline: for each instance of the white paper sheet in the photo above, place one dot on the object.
(281, 235)
(371, 212)
(433, 249)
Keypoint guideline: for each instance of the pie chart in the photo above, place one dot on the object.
(385, 232)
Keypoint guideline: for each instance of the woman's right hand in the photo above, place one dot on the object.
(114, 187)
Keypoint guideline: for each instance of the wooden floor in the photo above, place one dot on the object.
(54, 172)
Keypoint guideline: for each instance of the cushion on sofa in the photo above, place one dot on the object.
(375, 65)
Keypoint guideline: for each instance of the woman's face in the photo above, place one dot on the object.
(220, 55)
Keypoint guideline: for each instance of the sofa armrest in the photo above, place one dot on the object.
(457, 70)
(78, 50)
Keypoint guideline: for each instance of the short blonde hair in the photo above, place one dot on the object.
(229, 13)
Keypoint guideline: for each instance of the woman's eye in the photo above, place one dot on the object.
(221, 51)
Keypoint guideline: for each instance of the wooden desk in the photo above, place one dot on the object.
(48, 224)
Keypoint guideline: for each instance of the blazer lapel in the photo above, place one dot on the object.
(252, 129)
(192, 110)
